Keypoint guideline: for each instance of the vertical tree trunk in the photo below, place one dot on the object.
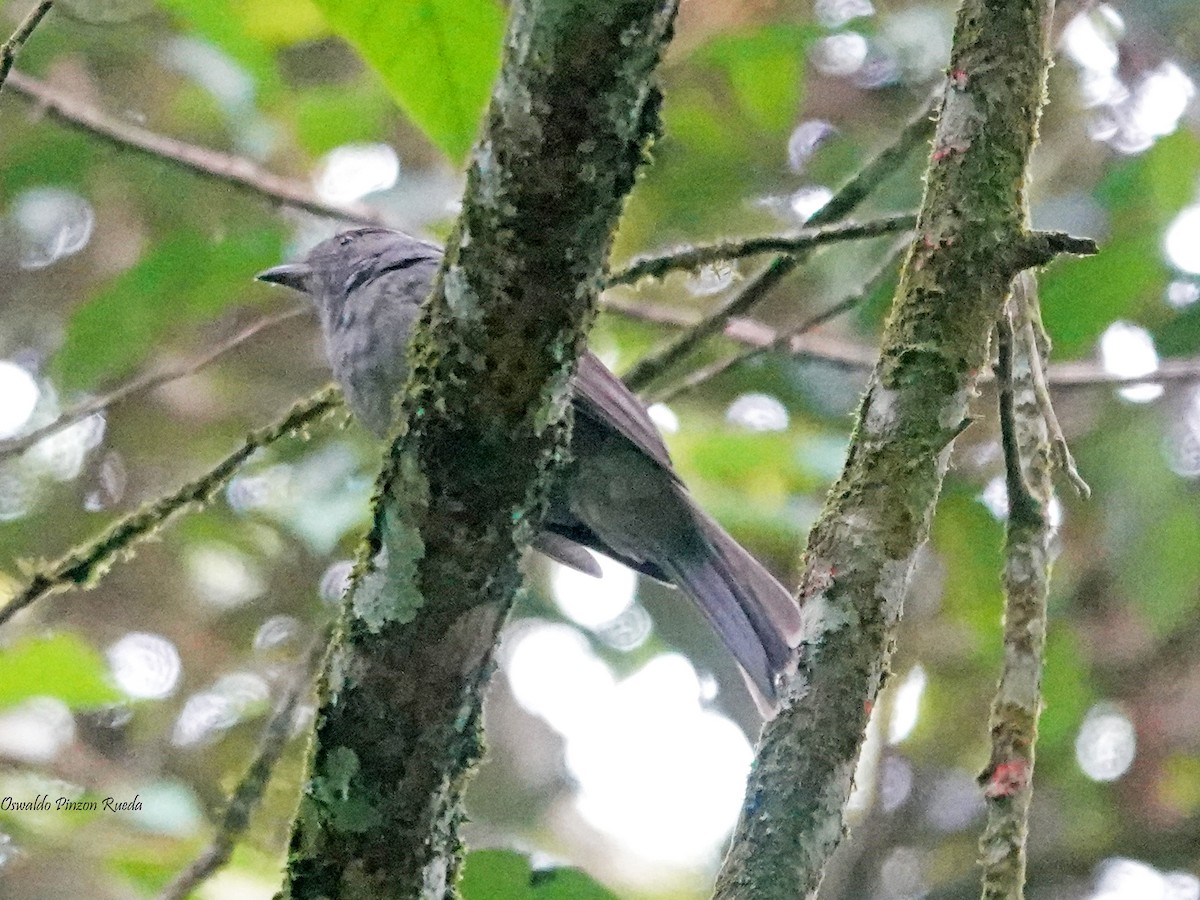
(482, 426)
(970, 242)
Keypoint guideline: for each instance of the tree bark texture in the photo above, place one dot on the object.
(970, 242)
(483, 424)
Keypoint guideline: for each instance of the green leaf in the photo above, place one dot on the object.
(437, 57)
(187, 278)
(281, 22)
(62, 666)
(505, 875)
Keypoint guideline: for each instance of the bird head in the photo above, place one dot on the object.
(337, 266)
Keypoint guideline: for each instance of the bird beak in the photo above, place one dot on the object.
(293, 275)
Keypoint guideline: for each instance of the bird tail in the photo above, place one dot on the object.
(755, 616)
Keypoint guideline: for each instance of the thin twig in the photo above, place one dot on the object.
(8, 52)
(1081, 373)
(860, 357)
(1008, 779)
(249, 792)
(146, 381)
(85, 565)
(244, 174)
(750, 332)
(916, 132)
(785, 339)
(1019, 496)
(1030, 330)
(224, 167)
(692, 258)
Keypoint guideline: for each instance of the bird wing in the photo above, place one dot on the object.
(603, 397)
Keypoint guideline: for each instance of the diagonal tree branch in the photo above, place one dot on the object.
(83, 566)
(249, 791)
(223, 167)
(244, 174)
(692, 258)
(785, 340)
(861, 551)
(12, 46)
(841, 204)
(850, 354)
(147, 381)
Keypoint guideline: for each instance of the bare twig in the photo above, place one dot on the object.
(1081, 373)
(691, 258)
(1028, 323)
(249, 792)
(11, 47)
(785, 339)
(147, 381)
(224, 167)
(85, 565)
(1041, 247)
(1008, 779)
(852, 355)
(242, 173)
(917, 132)
(752, 333)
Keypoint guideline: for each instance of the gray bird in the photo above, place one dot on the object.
(619, 495)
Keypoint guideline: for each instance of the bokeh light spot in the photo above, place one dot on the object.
(1127, 350)
(52, 223)
(758, 412)
(1107, 743)
(18, 398)
(144, 665)
(593, 602)
(352, 171)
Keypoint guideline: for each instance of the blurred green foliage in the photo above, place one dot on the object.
(157, 295)
(1142, 195)
(63, 666)
(505, 875)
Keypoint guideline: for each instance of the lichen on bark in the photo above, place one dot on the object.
(861, 551)
(483, 423)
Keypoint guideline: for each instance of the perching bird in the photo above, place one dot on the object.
(618, 496)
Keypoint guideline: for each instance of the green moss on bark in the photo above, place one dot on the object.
(861, 550)
(482, 427)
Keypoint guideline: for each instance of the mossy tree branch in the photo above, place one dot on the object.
(970, 232)
(1008, 779)
(85, 565)
(11, 47)
(482, 426)
(689, 259)
(653, 366)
